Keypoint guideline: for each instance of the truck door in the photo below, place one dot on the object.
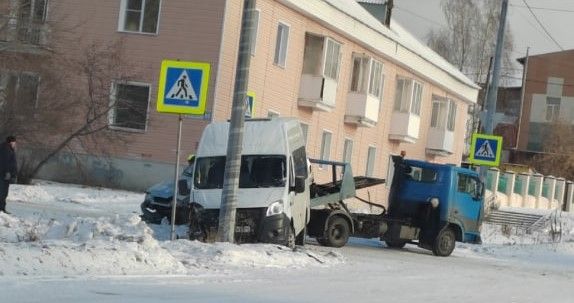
(467, 203)
(299, 201)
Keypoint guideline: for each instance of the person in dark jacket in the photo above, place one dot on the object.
(8, 168)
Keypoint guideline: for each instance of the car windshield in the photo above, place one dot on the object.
(256, 171)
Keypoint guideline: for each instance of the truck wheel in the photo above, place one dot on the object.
(444, 243)
(321, 241)
(397, 244)
(337, 232)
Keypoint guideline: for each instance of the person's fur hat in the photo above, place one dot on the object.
(10, 139)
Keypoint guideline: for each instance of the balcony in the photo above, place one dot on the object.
(20, 35)
(317, 92)
(440, 142)
(362, 110)
(404, 127)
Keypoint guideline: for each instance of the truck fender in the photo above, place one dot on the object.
(458, 231)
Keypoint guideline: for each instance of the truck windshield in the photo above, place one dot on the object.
(256, 171)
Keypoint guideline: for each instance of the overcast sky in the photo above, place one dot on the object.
(557, 16)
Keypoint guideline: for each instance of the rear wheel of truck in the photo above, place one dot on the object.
(337, 233)
(444, 242)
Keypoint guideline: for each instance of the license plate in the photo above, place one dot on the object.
(243, 229)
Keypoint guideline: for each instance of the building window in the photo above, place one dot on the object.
(451, 120)
(305, 129)
(552, 109)
(326, 145)
(129, 104)
(360, 74)
(443, 113)
(332, 59)
(408, 96)
(253, 42)
(281, 44)
(348, 151)
(20, 89)
(371, 155)
(367, 75)
(139, 16)
(31, 17)
(376, 79)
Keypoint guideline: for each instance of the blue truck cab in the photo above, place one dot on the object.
(435, 204)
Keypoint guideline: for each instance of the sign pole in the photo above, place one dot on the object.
(175, 189)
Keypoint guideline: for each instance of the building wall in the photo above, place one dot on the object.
(537, 88)
(276, 89)
(208, 31)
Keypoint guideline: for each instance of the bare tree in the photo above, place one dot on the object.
(557, 158)
(469, 39)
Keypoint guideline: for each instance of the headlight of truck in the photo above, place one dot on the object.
(275, 208)
(434, 202)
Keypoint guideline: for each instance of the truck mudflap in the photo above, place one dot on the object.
(251, 226)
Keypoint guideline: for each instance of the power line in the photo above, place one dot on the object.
(540, 23)
(419, 16)
(545, 8)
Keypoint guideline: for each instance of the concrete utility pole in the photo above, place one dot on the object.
(493, 91)
(226, 229)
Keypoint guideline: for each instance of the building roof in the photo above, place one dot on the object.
(395, 42)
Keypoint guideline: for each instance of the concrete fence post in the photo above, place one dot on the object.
(569, 199)
(495, 174)
(510, 181)
(537, 180)
(525, 183)
(560, 190)
(550, 182)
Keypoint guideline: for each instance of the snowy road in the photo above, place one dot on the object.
(95, 259)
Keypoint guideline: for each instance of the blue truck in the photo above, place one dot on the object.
(430, 205)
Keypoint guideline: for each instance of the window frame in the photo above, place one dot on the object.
(362, 83)
(305, 130)
(18, 85)
(122, 18)
(337, 63)
(451, 115)
(279, 45)
(552, 109)
(380, 83)
(371, 160)
(253, 42)
(411, 99)
(113, 102)
(326, 150)
(348, 150)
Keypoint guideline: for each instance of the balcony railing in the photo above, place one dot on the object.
(440, 142)
(23, 31)
(317, 92)
(362, 110)
(404, 127)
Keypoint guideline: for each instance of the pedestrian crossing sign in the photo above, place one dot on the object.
(183, 87)
(485, 149)
(249, 104)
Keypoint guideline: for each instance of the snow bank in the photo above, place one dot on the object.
(125, 245)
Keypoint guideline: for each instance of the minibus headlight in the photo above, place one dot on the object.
(275, 208)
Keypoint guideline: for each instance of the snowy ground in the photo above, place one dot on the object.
(67, 243)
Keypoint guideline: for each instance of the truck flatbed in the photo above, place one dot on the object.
(339, 189)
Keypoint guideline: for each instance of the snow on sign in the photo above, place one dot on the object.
(485, 149)
(183, 87)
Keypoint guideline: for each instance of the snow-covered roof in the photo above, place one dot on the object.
(395, 43)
